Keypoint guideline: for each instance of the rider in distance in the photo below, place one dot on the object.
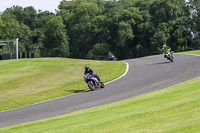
(165, 50)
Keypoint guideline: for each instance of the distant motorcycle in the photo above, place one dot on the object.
(111, 57)
(169, 55)
(93, 82)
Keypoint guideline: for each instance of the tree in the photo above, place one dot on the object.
(37, 39)
(195, 13)
(27, 15)
(99, 52)
(16, 12)
(42, 19)
(13, 29)
(122, 24)
(56, 39)
(2, 26)
(78, 16)
(30, 17)
(172, 18)
(128, 28)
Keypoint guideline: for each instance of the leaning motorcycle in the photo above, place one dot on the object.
(111, 57)
(170, 56)
(93, 82)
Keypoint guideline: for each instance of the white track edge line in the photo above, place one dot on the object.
(127, 68)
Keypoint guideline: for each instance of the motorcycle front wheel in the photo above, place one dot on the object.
(171, 59)
(91, 86)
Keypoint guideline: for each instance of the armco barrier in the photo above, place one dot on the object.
(21, 55)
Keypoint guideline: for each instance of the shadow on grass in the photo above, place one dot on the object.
(74, 91)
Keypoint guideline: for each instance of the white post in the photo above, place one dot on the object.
(17, 48)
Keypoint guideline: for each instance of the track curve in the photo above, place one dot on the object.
(145, 75)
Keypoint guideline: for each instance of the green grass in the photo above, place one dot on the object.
(197, 52)
(174, 109)
(28, 81)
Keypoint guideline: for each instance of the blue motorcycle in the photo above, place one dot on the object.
(111, 57)
(93, 82)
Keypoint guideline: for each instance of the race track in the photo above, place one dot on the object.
(145, 75)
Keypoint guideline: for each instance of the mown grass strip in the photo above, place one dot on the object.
(197, 52)
(27, 81)
(174, 109)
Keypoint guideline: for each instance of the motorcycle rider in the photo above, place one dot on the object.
(165, 50)
(91, 72)
(110, 56)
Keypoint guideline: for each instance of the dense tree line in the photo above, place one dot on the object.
(92, 28)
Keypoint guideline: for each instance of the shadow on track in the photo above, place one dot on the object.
(161, 63)
(84, 91)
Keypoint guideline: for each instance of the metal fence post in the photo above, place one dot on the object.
(17, 48)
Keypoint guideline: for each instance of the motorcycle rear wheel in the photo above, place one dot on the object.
(102, 85)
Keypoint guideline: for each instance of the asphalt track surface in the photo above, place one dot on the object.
(144, 75)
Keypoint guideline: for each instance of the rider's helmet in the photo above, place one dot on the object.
(164, 45)
(86, 68)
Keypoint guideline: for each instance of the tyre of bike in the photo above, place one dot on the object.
(91, 85)
(171, 58)
(102, 85)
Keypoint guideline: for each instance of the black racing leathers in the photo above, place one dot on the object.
(91, 72)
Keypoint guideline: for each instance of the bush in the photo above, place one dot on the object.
(99, 52)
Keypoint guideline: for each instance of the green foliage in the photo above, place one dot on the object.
(56, 40)
(195, 10)
(29, 17)
(78, 17)
(161, 35)
(125, 32)
(99, 52)
(12, 26)
(2, 26)
(37, 42)
(131, 28)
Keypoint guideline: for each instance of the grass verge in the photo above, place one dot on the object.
(197, 52)
(27, 81)
(174, 109)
